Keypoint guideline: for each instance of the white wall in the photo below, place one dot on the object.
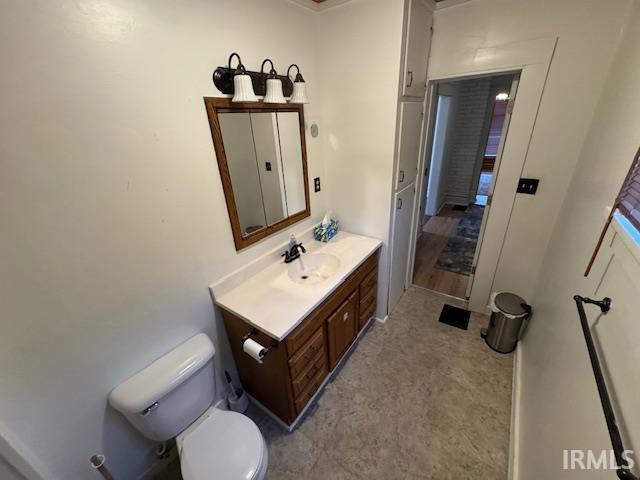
(588, 31)
(359, 57)
(437, 184)
(559, 407)
(112, 211)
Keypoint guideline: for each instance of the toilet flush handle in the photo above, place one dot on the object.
(149, 409)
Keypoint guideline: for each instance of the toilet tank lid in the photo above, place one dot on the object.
(161, 377)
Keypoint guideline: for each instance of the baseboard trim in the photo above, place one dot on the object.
(514, 433)
(382, 320)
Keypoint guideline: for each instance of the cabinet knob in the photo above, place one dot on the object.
(410, 75)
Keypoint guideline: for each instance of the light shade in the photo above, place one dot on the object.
(243, 89)
(299, 94)
(502, 96)
(274, 91)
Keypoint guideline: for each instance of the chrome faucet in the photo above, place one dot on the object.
(294, 251)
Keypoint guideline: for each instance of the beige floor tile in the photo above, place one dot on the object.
(416, 400)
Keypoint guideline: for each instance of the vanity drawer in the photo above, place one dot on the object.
(307, 353)
(367, 313)
(369, 282)
(308, 374)
(302, 400)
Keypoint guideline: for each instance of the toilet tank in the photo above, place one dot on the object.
(166, 397)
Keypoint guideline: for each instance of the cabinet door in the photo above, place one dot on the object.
(417, 45)
(409, 143)
(341, 328)
(400, 244)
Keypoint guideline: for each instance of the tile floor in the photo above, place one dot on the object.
(435, 409)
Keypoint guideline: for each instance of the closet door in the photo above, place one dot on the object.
(400, 244)
(417, 45)
(409, 146)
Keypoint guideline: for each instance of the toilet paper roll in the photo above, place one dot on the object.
(254, 349)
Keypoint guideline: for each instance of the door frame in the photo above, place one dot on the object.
(431, 104)
(532, 59)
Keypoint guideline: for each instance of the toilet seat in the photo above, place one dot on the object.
(223, 446)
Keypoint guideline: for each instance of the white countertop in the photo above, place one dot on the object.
(264, 296)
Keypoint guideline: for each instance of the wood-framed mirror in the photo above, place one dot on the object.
(262, 158)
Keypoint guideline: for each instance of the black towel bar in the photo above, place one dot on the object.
(623, 471)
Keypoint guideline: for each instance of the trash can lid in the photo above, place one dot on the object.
(510, 303)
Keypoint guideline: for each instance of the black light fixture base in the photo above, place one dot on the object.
(223, 80)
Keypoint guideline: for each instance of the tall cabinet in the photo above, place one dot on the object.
(418, 27)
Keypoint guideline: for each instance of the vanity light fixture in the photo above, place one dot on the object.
(245, 84)
(274, 85)
(299, 94)
(242, 86)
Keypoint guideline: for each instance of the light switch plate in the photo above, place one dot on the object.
(528, 186)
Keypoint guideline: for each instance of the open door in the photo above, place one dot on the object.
(503, 136)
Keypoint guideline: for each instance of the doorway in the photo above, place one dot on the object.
(469, 125)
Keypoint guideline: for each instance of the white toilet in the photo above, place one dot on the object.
(172, 397)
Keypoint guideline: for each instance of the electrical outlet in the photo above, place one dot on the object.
(316, 184)
(268, 166)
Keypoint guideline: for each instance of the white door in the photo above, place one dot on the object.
(417, 45)
(400, 243)
(409, 146)
(496, 170)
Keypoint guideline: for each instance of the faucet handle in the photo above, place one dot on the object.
(304, 250)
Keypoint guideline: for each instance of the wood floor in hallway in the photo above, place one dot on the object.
(436, 234)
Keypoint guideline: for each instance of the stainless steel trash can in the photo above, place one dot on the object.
(509, 313)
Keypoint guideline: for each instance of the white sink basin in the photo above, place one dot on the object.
(313, 268)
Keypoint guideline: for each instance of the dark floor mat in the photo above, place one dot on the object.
(454, 316)
(461, 208)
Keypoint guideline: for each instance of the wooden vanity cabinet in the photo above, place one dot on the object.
(342, 328)
(294, 369)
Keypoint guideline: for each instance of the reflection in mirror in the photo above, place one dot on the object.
(290, 146)
(264, 155)
(265, 138)
(243, 170)
(261, 154)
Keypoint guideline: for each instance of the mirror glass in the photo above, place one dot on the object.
(264, 156)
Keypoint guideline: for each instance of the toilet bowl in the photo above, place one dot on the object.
(173, 398)
(222, 445)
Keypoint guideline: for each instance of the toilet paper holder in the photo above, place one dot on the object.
(254, 331)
